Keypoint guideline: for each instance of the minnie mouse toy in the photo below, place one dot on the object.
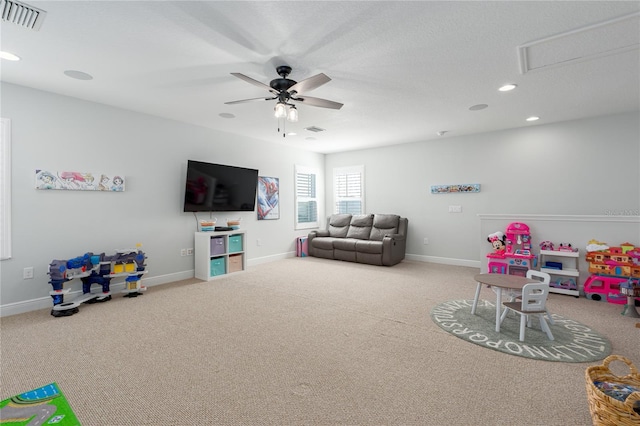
(498, 242)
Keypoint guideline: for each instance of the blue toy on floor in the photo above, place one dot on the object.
(95, 269)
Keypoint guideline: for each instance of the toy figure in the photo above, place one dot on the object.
(565, 247)
(498, 242)
(546, 245)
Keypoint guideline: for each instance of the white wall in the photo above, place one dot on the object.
(61, 133)
(586, 167)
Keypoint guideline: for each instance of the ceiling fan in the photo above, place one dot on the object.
(287, 91)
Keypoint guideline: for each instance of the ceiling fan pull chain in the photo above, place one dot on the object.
(284, 126)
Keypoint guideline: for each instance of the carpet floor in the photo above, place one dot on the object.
(299, 341)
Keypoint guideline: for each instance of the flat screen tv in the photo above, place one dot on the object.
(219, 188)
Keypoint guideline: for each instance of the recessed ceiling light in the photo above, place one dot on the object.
(292, 134)
(478, 107)
(533, 118)
(226, 115)
(9, 56)
(78, 75)
(508, 87)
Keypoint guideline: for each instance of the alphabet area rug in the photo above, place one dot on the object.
(573, 341)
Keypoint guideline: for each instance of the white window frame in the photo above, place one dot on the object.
(303, 170)
(353, 172)
(5, 188)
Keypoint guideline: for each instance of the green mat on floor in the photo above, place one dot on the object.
(42, 406)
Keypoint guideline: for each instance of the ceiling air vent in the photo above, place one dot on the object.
(22, 14)
(314, 129)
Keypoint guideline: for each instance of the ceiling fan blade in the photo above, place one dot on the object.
(308, 100)
(309, 84)
(254, 82)
(249, 100)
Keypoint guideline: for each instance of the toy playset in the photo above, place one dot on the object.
(512, 251)
(96, 269)
(563, 266)
(615, 272)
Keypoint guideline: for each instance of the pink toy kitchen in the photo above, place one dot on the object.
(512, 251)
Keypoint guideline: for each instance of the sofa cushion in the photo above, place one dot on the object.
(384, 224)
(360, 226)
(325, 243)
(348, 244)
(339, 225)
(372, 247)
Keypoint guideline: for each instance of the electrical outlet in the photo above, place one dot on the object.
(183, 252)
(455, 209)
(27, 273)
(426, 241)
(258, 242)
(189, 252)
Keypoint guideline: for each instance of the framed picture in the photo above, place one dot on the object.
(79, 181)
(449, 189)
(268, 198)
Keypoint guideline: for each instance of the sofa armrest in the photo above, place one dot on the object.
(319, 233)
(396, 237)
(312, 235)
(393, 249)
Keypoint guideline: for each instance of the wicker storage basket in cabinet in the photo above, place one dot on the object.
(606, 410)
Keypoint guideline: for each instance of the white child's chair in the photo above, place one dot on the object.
(534, 298)
(542, 277)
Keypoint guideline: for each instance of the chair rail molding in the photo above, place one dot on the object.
(562, 218)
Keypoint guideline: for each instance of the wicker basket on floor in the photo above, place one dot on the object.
(606, 410)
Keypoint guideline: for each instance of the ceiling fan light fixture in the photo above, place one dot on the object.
(280, 110)
(285, 90)
(293, 114)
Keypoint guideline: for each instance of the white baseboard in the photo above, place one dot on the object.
(415, 257)
(272, 258)
(46, 302)
(444, 260)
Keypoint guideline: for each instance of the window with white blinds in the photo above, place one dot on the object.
(5, 188)
(306, 198)
(348, 190)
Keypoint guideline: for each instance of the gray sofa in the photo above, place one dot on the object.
(376, 239)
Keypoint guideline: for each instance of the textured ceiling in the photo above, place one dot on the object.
(403, 70)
